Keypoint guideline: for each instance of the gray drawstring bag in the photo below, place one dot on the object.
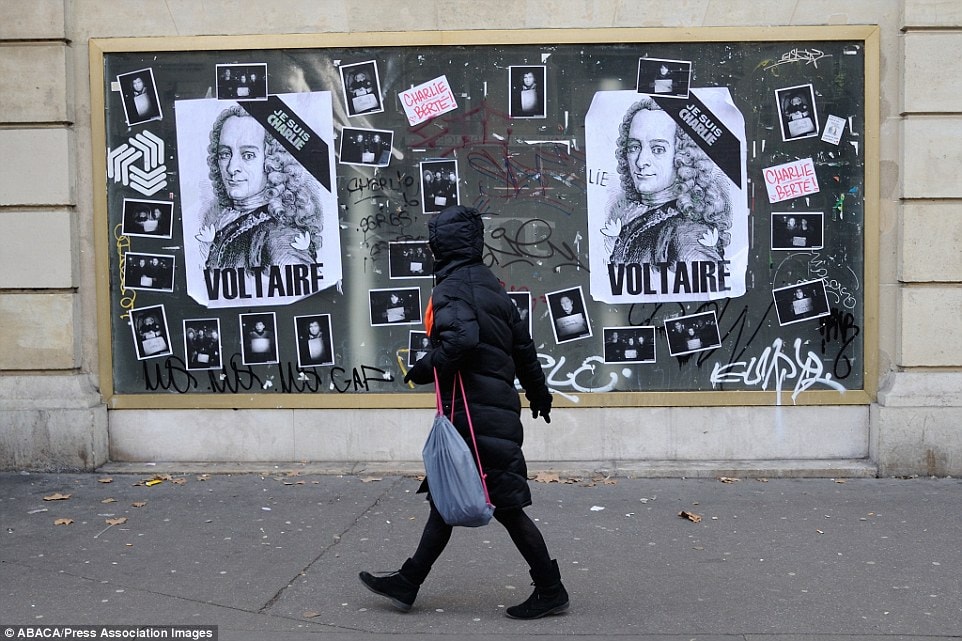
(456, 485)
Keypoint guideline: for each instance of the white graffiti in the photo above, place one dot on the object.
(774, 368)
(558, 380)
(808, 56)
(147, 148)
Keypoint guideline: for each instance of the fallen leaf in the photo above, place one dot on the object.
(106, 479)
(154, 480)
(109, 500)
(138, 504)
(179, 481)
(728, 479)
(203, 477)
(840, 481)
(547, 477)
(310, 614)
(63, 522)
(691, 516)
(56, 496)
(120, 520)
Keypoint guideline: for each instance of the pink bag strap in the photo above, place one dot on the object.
(437, 395)
(467, 412)
(484, 484)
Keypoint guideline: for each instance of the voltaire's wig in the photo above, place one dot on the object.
(292, 195)
(701, 189)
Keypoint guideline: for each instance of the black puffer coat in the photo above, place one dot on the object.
(477, 330)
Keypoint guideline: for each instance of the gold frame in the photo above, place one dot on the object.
(868, 34)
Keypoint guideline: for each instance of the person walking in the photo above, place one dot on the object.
(475, 330)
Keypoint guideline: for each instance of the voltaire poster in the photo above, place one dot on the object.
(667, 207)
(259, 212)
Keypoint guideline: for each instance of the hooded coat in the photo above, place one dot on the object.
(475, 329)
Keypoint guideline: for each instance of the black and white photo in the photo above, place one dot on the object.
(797, 230)
(695, 333)
(833, 130)
(668, 78)
(258, 338)
(362, 88)
(629, 344)
(314, 340)
(154, 272)
(801, 301)
(202, 343)
(522, 300)
(150, 330)
(139, 93)
(410, 259)
(241, 81)
(526, 87)
(152, 218)
(796, 112)
(439, 185)
(395, 306)
(418, 346)
(370, 147)
(569, 318)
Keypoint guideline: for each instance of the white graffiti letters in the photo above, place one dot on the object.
(570, 380)
(776, 367)
(807, 56)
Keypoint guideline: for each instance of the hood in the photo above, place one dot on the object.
(456, 236)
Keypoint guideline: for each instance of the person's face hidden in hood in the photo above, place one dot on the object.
(457, 233)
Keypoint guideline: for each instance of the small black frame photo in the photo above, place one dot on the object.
(569, 317)
(632, 344)
(694, 333)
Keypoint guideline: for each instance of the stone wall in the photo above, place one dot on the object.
(51, 416)
(51, 412)
(917, 424)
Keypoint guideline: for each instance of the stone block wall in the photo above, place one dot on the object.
(53, 417)
(917, 424)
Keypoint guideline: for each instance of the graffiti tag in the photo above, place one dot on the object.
(773, 368)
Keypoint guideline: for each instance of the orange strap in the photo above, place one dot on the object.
(429, 316)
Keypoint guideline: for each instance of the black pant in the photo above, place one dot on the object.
(523, 532)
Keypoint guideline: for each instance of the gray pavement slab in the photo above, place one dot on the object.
(276, 556)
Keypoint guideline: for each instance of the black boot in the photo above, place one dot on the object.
(549, 596)
(400, 587)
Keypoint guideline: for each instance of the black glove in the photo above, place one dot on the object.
(541, 406)
(420, 373)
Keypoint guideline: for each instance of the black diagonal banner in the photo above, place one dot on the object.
(711, 134)
(297, 137)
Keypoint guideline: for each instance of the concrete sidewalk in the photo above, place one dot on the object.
(275, 556)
